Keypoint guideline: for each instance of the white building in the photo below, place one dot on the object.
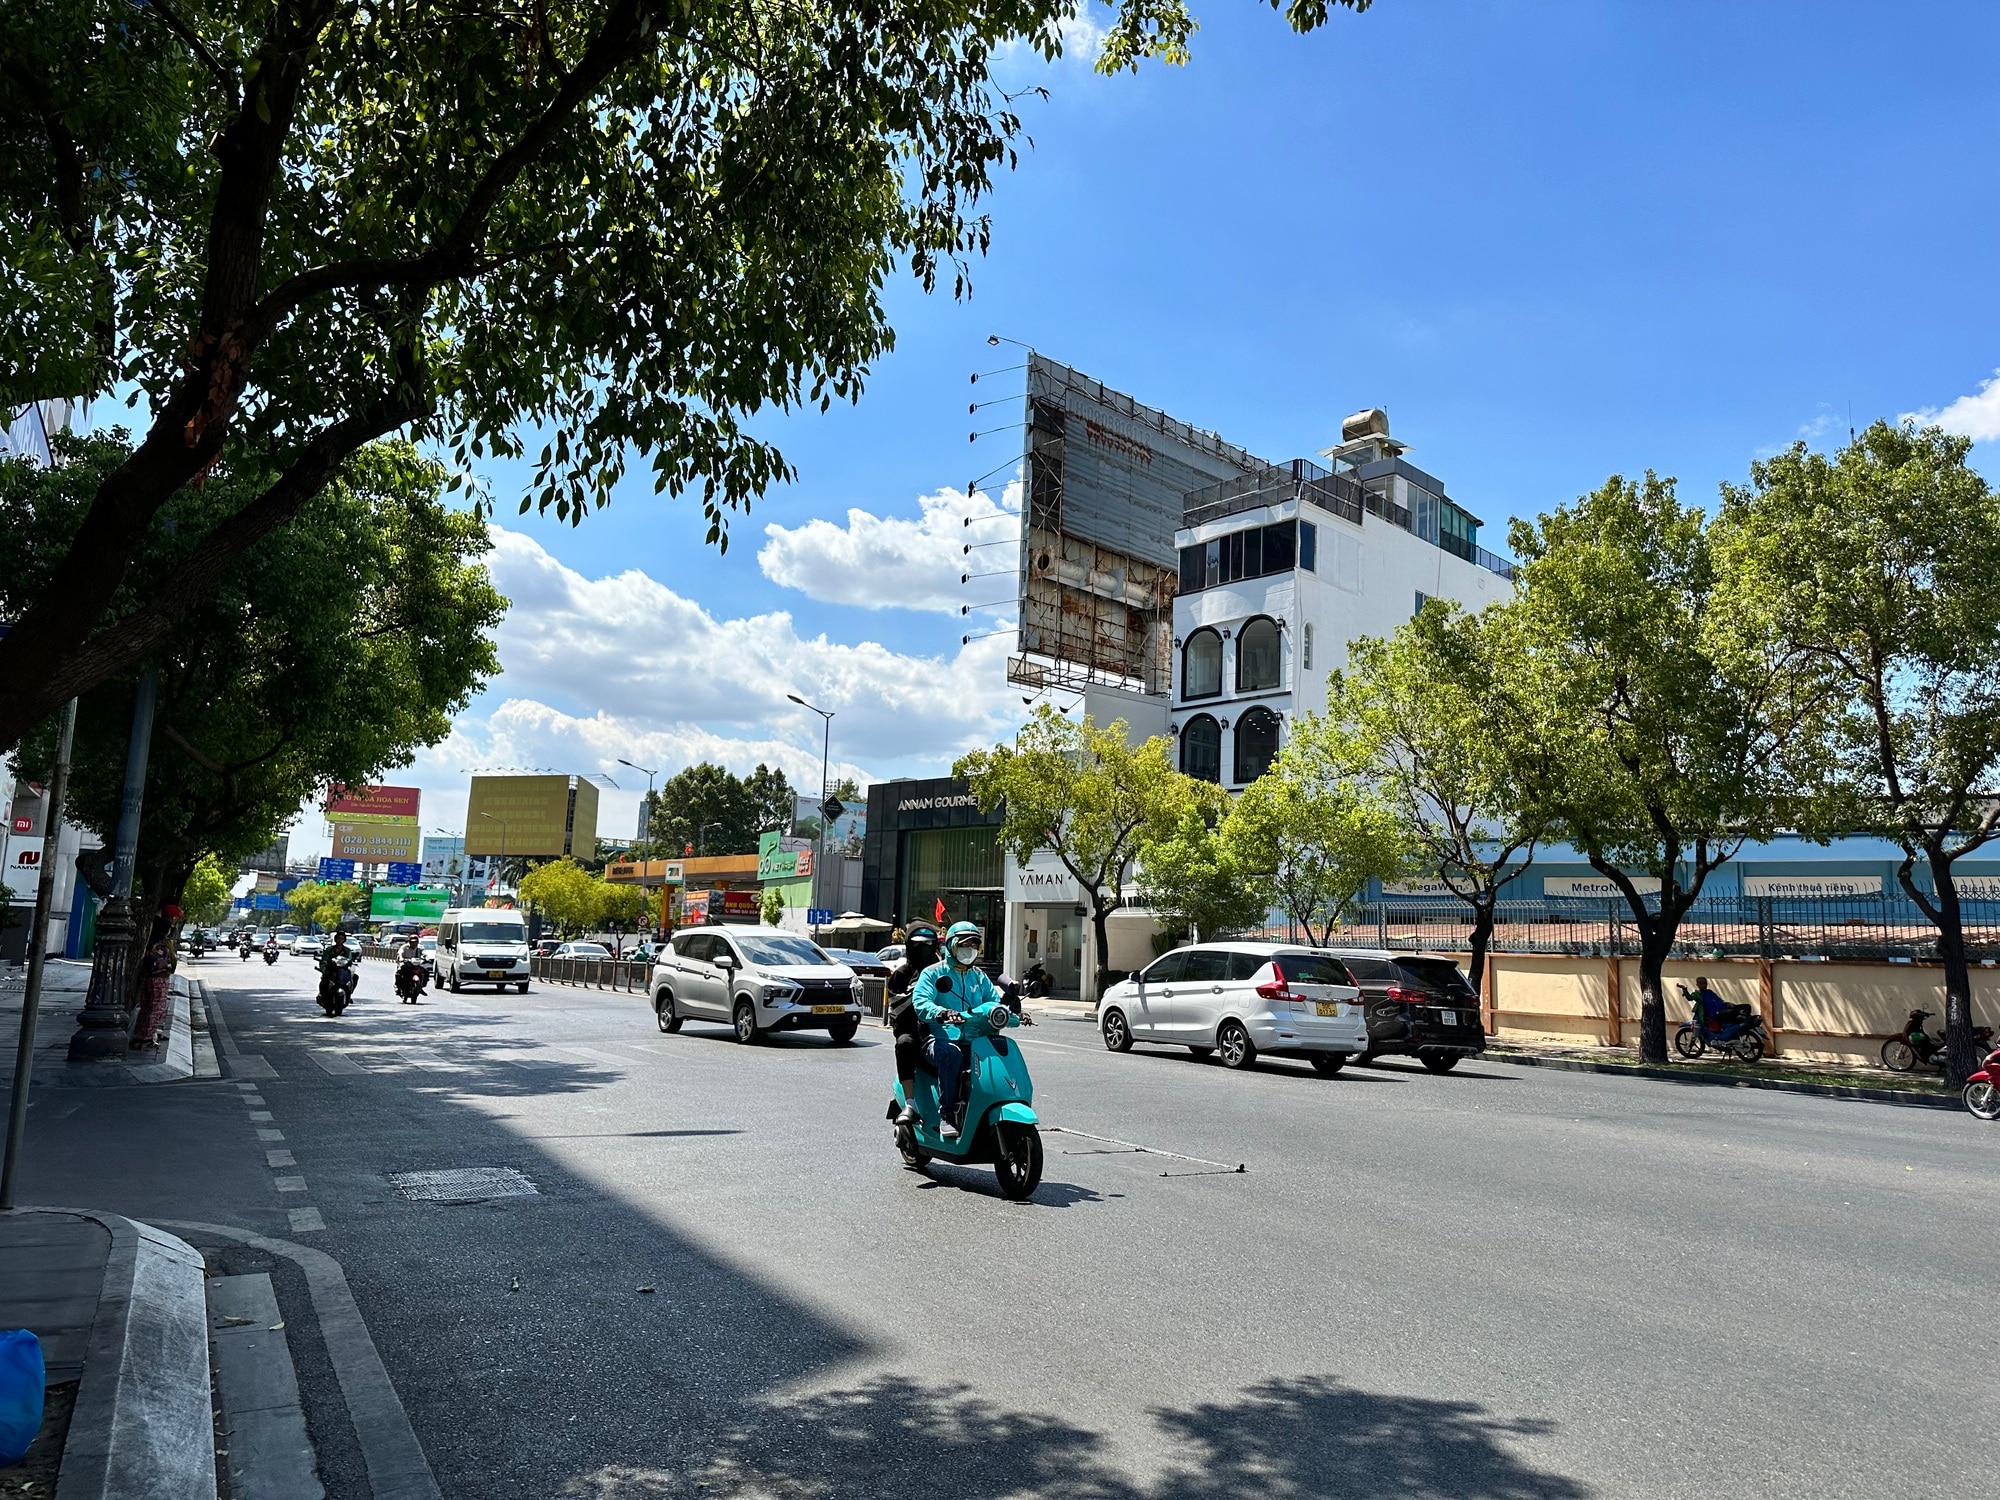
(1281, 569)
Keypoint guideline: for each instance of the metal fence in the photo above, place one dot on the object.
(1881, 927)
(594, 973)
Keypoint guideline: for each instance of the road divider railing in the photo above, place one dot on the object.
(623, 974)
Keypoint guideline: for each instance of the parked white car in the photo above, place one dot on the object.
(755, 980)
(581, 950)
(1240, 1001)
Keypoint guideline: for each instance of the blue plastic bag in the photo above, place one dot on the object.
(21, 1380)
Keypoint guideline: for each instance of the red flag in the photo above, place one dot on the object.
(940, 909)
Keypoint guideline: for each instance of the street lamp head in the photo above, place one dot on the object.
(798, 700)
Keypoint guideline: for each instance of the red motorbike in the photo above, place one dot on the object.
(1982, 1089)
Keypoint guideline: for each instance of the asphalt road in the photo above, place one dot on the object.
(1504, 1282)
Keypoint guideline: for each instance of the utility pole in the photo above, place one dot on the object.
(103, 1029)
(819, 851)
(646, 844)
(38, 944)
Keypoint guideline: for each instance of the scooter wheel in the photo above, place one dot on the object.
(1017, 1158)
(1898, 1056)
(1689, 1043)
(1748, 1048)
(915, 1157)
(1982, 1100)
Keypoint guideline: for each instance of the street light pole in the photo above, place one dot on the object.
(825, 750)
(646, 842)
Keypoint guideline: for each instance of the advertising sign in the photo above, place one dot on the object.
(740, 906)
(352, 804)
(421, 905)
(1596, 887)
(377, 843)
(694, 906)
(1978, 887)
(843, 835)
(1042, 880)
(1416, 888)
(1812, 887)
(536, 815)
(28, 810)
(782, 858)
(24, 866)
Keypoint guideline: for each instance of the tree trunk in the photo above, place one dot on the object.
(1482, 939)
(1961, 1054)
(1099, 916)
(1656, 940)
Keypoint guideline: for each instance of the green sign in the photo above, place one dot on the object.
(778, 856)
(408, 901)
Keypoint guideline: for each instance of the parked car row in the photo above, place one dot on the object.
(1243, 1000)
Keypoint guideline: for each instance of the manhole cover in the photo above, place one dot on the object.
(462, 1184)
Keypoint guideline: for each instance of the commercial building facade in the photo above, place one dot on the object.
(931, 854)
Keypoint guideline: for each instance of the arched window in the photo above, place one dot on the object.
(1201, 748)
(1257, 655)
(1256, 743)
(1201, 665)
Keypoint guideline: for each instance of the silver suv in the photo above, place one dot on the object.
(756, 979)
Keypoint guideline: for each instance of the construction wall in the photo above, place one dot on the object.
(1823, 1012)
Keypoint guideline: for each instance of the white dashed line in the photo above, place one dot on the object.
(279, 1159)
(260, 1117)
(270, 1135)
(291, 1184)
(305, 1220)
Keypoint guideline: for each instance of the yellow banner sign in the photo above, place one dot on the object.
(378, 843)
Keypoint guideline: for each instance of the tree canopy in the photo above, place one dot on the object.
(1881, 566)
(330, 652)
(707, 809)
(326, 904)
(1192, 881)
(1658, 725)
(597, 230)
(1423, 717)
(1087, 796)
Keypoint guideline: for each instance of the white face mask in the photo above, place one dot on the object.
(967, 952)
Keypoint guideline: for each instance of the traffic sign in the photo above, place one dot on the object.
(818, 916)
(832, 808)
(336, 869)
(404, 872)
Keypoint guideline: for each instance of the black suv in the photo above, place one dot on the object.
(1420, 1007)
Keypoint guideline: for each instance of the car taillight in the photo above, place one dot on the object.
(1402, 996)
(1275, 989)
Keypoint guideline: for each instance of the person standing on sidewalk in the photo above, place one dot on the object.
(156, 970)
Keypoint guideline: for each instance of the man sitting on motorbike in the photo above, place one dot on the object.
(945, 992)
(919, 953)
(409, 966)
(1717, 1013)
(331, 957)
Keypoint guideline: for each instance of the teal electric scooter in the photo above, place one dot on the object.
(999, 1124)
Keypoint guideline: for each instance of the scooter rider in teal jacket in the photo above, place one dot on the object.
(950, 988)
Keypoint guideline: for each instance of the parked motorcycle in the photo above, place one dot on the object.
(336, 982)
(1740, 1036)
(1982, 1089)
(1915, 1047)
(997, 1118)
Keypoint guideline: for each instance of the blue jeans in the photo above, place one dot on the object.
(949, 1062)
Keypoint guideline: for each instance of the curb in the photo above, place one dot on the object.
(394, 1459)
(143, 1423)
(175, 1063)
(1907, 1098)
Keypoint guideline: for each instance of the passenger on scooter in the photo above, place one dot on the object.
(946, 991)
(920, 952)
(409, 965)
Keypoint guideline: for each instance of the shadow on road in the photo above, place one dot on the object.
(893, 1439)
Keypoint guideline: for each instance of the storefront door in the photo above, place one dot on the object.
(1053, 937)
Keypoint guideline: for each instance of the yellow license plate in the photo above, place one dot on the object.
(496, 973)
(828, 1010)
(1327, 1007)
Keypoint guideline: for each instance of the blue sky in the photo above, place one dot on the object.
(1556, 239)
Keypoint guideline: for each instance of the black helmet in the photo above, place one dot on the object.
(922, 942)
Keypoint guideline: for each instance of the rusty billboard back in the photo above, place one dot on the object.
(1106, 478)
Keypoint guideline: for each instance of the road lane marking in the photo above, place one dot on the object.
(290, 1184)
(270, 1135)
(279, 1159)
(338, 1063)
(305, 1220)
(260, 1117)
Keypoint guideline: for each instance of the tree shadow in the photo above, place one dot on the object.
(893, 1439)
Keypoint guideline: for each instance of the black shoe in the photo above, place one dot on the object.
(908, 1117)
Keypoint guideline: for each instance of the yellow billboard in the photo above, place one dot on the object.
(545, 816)
(378, 843)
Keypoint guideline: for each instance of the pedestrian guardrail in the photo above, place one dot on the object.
(593, 973)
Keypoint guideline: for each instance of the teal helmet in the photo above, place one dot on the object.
(964, 934)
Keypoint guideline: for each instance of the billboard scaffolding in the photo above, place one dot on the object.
(1106, 478)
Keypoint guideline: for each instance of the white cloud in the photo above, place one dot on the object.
(620, 667)
(1976, 416)
(892, 562)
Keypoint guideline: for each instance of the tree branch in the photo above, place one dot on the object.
(231, 89)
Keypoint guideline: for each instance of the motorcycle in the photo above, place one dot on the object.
(336, 982)
(410, 981)
(1741, 1036)
(270, 953)
(997, 1121)
(1982, 1089)
(244, 950)
(1915, 1047)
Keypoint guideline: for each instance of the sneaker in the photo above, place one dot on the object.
(948, 1129)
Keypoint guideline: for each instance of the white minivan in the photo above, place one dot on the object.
(1240, 1001)
(482, 945)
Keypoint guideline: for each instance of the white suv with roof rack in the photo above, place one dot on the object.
(1240, 1001)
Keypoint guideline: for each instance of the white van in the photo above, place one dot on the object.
(482, 945)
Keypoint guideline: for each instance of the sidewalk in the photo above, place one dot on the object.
(120, 1310)
(186, 1052)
